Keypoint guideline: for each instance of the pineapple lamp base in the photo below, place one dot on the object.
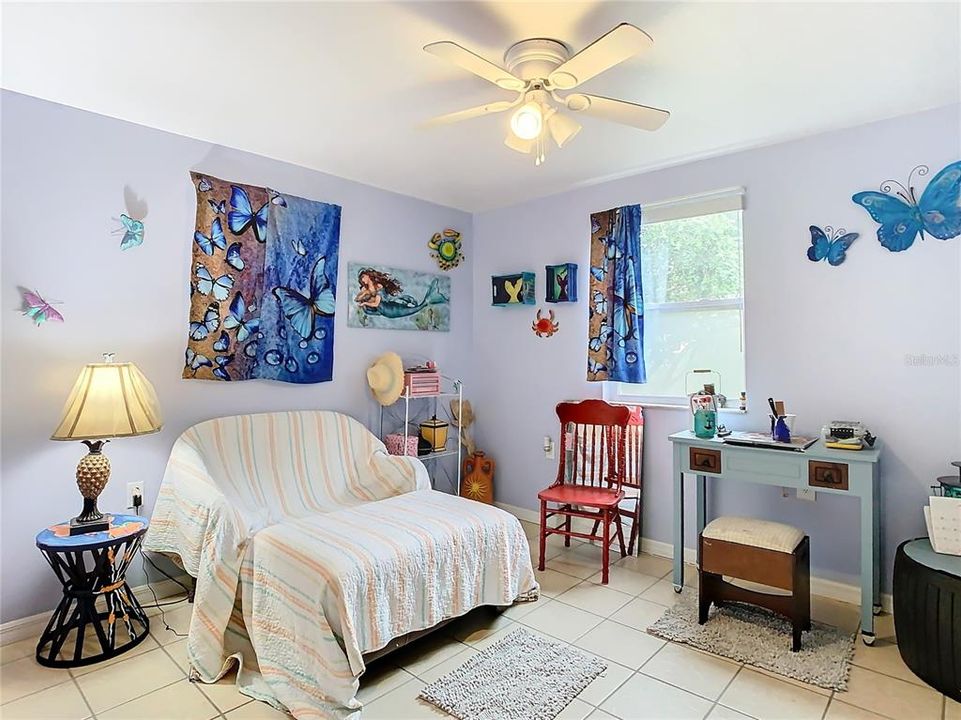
(93, 472)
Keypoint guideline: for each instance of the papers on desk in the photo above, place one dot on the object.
(763, 440)
(943, 518)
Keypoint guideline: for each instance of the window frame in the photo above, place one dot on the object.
(708, 204)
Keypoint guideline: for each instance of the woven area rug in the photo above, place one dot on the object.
(758, 637)
(522, 677)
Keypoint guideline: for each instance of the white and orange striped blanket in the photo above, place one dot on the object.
(312, 546)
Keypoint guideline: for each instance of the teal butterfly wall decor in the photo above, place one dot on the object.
(132, 232)
(902, 216)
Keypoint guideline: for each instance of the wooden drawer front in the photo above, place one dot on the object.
(705, 461)
(828, 474)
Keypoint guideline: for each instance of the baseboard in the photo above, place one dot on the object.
(824, 587)
(31, 627)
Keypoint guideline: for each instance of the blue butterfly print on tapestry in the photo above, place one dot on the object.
(206, 283)
(215, 240)
(221, 370)
(902, 217)
(829, 244)
(599, 272)
(218, 207)
(204, 185)
(235, 319)
(300, 310)
(599, 305)
(200, 330)
(242, 215)
(234, 258)
(597, 342)
(222, 343)
(195, 361)
(132, 232)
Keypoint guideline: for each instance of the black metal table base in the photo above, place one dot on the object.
(98, 617)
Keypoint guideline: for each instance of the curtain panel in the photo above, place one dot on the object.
(616, 325)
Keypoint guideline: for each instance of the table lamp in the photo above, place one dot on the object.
(109, 400)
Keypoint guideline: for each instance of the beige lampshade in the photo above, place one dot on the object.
(109, 400)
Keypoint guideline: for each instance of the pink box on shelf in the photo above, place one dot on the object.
(395, 444)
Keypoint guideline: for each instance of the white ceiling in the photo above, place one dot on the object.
(341, 87)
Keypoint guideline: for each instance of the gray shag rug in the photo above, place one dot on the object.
(761, 638)
(522, 677)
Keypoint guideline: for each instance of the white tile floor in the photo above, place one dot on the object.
(646, 677)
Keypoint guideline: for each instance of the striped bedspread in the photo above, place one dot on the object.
(312, 546)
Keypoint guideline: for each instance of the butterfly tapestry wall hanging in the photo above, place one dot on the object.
(830, 244)
(254, 252)
(902, 216)
(37, 309)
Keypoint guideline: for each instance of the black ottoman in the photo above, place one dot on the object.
(927, 614)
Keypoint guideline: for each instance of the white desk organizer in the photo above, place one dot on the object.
(943, 518)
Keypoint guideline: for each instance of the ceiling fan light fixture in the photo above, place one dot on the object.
(562, 128)
(517, 144)
(528, 121)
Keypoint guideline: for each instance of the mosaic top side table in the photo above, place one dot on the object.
(98, 617)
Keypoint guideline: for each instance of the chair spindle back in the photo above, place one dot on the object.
(593, 444)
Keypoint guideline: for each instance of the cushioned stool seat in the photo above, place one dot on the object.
(768, 553)
(756, 533)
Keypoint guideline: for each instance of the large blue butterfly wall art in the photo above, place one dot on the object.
(902, 217)
(262, 286)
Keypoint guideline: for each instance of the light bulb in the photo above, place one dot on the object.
(528, 121)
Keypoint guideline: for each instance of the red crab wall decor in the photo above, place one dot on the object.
(544, 326)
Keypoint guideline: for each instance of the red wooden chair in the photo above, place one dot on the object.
(632, 480)
(589, 475)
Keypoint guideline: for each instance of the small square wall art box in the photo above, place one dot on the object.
(561, 283)
(513, 289)
(386, 298)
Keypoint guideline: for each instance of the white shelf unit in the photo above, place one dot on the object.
(411, 410)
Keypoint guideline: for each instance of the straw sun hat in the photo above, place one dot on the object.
(386, 378)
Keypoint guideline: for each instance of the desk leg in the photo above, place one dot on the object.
(868, 569)
(876, 533)
(678, 521)
(701, 504)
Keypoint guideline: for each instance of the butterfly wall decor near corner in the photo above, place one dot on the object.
(830, 244)
(132, 230)
(38, 309)
(299, 309)
(902, 216)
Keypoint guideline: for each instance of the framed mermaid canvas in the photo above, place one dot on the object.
(386, 298)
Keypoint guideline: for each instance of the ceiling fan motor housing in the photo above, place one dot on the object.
(535, 58)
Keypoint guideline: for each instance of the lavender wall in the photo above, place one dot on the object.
(64, 173)
(831, 341)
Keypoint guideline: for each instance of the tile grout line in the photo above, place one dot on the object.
(82, 695)
(192, 684)
(724, 690)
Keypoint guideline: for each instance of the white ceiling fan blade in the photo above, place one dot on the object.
(473, 63)
(615, 47)
(470, 113)
(619, 111)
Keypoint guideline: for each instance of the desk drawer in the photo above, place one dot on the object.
(704, 460)
(827, 474)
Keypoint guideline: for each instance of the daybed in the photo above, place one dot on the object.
(313, 549)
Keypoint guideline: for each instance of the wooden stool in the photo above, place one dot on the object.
(759, 551)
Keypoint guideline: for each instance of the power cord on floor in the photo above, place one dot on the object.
(157, 604)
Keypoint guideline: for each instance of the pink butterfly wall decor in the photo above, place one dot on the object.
(38, 309)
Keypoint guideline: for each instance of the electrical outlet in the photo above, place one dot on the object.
(134, 488)
(549, 447)
(806, 494)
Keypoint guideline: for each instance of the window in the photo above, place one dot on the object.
(691, 260)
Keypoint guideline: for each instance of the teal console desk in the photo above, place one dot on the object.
(829, 472)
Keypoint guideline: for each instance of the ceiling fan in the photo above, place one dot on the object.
(536, 69)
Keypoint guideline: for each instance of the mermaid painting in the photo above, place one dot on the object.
(381, 294)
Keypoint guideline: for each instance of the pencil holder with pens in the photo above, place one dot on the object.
(782, 427)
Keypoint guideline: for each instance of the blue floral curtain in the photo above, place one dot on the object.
(616, 327)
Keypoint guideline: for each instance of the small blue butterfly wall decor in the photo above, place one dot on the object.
(132, 232)
(830, 244)
(901, 216)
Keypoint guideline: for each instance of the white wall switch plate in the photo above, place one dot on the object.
(806, 494)
(134, 488)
